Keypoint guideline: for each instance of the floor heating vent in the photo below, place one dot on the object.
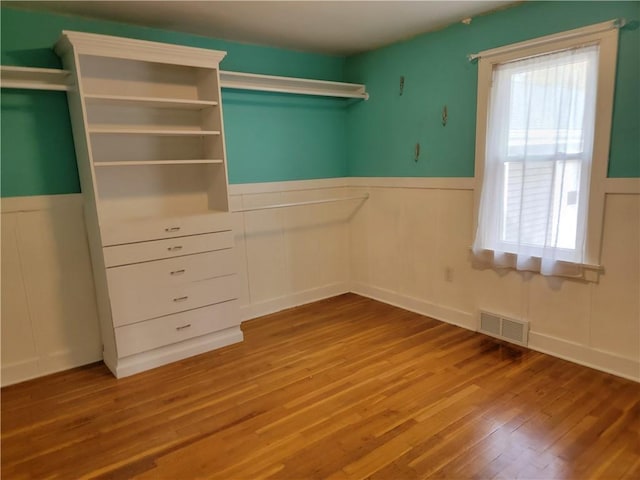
(514, 331)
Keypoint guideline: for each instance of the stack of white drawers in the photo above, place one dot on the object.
(170, 280)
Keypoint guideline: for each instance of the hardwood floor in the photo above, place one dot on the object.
(342, 388)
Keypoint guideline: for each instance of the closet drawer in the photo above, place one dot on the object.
(143, 230)
(144, 336)
(172, 271)
(172, 247)
(150, 301)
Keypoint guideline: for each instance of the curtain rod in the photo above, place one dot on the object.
(577, 32)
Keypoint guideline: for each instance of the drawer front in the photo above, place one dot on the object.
(159, 249)
(137, 304)
(172, 271)
(144, 336)
(143, 230)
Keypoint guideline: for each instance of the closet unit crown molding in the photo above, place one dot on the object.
(127, 48)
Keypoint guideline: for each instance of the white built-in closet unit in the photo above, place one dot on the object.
(148, 130)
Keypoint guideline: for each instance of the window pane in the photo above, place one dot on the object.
(546, 111)
(541, 203)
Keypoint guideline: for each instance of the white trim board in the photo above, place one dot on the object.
(287, 186)
(622, 186)
(259, 309)
(438, 183)
(439, 312)
(39, 202)
(46, 202)
(581, 354)
(590, 357)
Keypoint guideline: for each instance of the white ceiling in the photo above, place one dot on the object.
(333, 27)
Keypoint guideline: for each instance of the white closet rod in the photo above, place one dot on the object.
(297, 204)
(56, 79)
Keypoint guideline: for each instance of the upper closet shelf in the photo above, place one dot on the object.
(53, 79)
(126, 130)
(149, 101)
(303, 86)
(34, 78)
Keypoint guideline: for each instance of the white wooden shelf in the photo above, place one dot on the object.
(150, 131)
(170, 217)
(126, 163)
(34, 78)
(53, 79)
(149, 101)
(302, 86)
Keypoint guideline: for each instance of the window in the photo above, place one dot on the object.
(544, 117)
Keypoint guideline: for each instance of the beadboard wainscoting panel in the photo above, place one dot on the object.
(19, 355)
(407, 245)
(410, 247)
(49, 317)
(292, 255)
(616, 298)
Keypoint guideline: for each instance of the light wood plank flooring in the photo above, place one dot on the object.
(342, 388)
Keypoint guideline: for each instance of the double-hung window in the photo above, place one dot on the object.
(544, 119)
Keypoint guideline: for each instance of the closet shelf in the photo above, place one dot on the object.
(54, 79)
(126, 163)
(156, 102)
(34, 78)
(302, 86)
(150, 131)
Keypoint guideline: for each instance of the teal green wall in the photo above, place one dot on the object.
(273, 137)
(269, 137)
(383, 131)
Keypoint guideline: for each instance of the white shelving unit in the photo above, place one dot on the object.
(147, 125)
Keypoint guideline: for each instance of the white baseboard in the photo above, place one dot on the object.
(259, 309)
(556, 347)
(590, 357)
(64, 360)
(47, 364)
(20, 371)
(171, 353)
(439, 312)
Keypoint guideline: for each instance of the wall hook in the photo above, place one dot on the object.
(417, 152)
(445, 116)
(401, 84)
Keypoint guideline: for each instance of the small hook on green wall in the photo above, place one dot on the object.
(445, 116)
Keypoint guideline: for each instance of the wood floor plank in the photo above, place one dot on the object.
(344, 388)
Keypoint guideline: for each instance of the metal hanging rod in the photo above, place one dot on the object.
(298, 204)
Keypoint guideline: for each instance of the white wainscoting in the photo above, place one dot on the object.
(400, 246)
(286, 257)
(294, 255)
(49, 319)
(410, 248)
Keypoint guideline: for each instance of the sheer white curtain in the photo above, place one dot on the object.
(535, 190)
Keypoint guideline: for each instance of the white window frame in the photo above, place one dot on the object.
(605, 35)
